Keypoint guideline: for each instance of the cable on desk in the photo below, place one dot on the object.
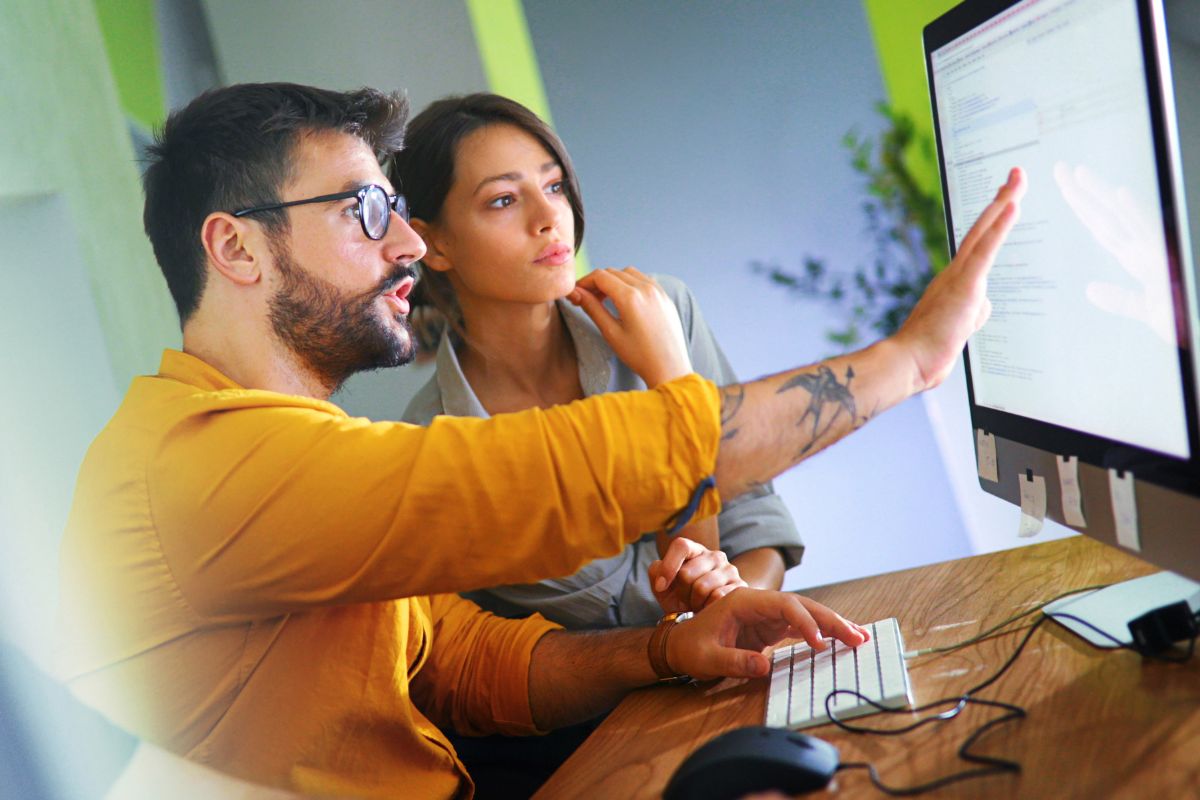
(990, 765)
(996, 628)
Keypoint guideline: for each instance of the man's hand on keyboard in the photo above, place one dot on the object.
(690, 577)
(727, 639)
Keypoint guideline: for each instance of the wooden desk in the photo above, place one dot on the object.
(1100, 723)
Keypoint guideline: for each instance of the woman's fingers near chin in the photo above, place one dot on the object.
(621, 275)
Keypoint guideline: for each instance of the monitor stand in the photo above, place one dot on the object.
(1110, 609)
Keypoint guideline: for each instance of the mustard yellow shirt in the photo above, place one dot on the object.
(263, 584)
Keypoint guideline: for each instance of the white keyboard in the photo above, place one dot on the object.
(801, 679)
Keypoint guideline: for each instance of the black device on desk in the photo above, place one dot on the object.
(754, 759)
(1083, 383)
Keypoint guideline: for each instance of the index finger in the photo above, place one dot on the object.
(1010, 192)
(606, 283)
(800, 622)
(832, 623)
(980, 259)
(588, 284)
(679, 551)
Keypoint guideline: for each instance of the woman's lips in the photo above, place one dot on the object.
(554, 255)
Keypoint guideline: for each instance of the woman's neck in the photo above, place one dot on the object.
(519, 356)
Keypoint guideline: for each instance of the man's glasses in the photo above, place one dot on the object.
(375, 207)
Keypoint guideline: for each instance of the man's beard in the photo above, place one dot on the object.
(333, 334)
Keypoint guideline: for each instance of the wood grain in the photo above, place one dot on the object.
(1100, 723)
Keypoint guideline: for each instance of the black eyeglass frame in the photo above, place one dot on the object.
(396, 202)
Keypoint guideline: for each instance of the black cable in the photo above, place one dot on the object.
(991, 765)
(996, 629)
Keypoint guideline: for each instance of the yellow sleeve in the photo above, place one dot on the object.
(476, 678)
(265, 508)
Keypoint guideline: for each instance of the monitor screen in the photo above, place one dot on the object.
(1087, 350)
(1083, 333)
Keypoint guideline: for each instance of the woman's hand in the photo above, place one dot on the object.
(728, 638)
(690, 577)
(646, 333)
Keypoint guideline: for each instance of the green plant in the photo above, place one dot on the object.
(906, 224)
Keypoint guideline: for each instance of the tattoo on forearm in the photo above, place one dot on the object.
(732, 398)
(824, 390)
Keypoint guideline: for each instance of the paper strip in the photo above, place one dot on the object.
(1033, 505)
(985, 448)
(1072, 497)
(1124, 507)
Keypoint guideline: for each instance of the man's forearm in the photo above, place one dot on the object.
(575, 676)
(776, 422)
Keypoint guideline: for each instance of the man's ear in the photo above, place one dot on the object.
(434, 258)
(234, 247)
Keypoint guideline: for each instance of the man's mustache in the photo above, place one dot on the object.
(402, 272)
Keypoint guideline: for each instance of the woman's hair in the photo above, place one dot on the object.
(424, 172)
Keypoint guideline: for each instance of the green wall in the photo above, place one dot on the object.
(897, 26)
(131, 41)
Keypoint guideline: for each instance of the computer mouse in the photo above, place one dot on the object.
(754, 759)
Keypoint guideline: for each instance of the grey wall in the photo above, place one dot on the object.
(189, 64)
(707, 134)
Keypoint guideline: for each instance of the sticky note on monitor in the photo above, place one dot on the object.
(1124, 508)
(1033, 505)
(985, 450)
(1072, 496)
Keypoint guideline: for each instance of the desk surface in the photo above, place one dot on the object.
(1100, 723)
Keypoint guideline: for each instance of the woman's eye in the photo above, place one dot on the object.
(503, 201)
(558, 187)
(353, 211)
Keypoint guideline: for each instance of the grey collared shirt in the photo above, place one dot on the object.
(614, 591)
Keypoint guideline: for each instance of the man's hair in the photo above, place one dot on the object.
(234, 147)
(424, 172)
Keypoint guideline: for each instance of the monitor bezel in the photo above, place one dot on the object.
(1149, 465)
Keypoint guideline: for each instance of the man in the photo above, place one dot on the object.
(256, 581)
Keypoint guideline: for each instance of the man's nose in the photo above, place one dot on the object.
(402, 244)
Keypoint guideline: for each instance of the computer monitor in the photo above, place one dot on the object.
(1083, 383)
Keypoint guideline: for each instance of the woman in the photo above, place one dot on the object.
(493, 193)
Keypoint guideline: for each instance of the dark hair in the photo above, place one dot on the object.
(233, 147)
(424, 172)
